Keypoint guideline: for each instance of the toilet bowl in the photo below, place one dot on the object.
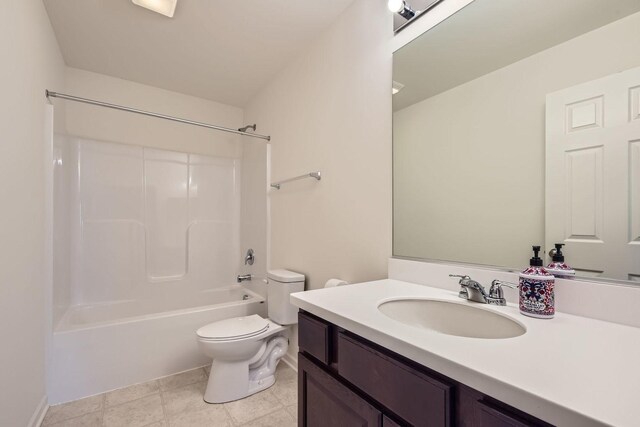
(246, 350)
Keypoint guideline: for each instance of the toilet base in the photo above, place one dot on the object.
(233, 389)
(263, 384)
(234, 380)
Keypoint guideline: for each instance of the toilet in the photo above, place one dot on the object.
(246, 350)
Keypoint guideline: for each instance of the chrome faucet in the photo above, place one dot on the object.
(243, 277)
(496, 294)
(472, 290)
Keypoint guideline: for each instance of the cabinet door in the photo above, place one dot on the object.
(325, 402)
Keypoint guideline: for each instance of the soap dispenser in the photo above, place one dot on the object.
(536, 289)
(558, 267)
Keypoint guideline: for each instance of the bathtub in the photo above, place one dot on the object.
(103, 347)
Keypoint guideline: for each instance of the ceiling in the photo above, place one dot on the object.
(490, 34)
(224, 51)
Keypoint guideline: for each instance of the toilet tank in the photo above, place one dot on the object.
(280, 284)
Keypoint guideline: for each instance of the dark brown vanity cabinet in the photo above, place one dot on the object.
(345, 380)
(331, 403)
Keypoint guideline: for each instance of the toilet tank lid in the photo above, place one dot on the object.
(285, 276)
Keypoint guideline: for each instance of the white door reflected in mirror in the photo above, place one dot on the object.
(593, 175)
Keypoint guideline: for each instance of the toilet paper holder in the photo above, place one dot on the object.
(332, 283)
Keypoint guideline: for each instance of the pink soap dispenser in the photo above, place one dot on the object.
(558, 267)
(536, 289)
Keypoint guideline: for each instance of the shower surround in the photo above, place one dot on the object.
(147, 244)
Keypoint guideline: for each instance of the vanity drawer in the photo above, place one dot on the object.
(491, 415)
(414, 396)
(388, 422)
(313, 337)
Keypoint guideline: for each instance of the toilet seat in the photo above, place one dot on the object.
(237, 328)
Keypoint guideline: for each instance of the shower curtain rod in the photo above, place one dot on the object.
(50, 94)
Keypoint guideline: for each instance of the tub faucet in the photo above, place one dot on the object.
(250, 257)
(474, 291)
(243, 277)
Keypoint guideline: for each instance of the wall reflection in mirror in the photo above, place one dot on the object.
(518, 123)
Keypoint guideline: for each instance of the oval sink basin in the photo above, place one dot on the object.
(452, 318)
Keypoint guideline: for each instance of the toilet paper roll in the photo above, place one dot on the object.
(332, 283)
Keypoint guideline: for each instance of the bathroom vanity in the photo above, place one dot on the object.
(345, 379)
(358, 366)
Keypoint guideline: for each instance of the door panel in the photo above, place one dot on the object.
(593, 175)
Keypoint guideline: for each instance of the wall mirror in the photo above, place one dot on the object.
(518, 123)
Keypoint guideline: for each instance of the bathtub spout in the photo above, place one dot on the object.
(243, 277)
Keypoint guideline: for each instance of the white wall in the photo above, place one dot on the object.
(469, 163)
(330, 110)
(118, 126)
(31, 63)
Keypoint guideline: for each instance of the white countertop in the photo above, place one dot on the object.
(569, 370)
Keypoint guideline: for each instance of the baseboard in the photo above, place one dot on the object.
(291, 360)
(39, 413)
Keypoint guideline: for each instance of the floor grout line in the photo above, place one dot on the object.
(165, 418)
(68, 419)
(104, 409)
(233, 422)
(132, 400)
(182, 385)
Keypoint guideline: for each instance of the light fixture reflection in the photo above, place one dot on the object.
(163, 7)
(397, 87)
(402, 8)
(395, 5)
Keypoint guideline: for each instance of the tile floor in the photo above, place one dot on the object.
(177, 401)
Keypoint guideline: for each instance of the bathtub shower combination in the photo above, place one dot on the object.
(147, 247)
